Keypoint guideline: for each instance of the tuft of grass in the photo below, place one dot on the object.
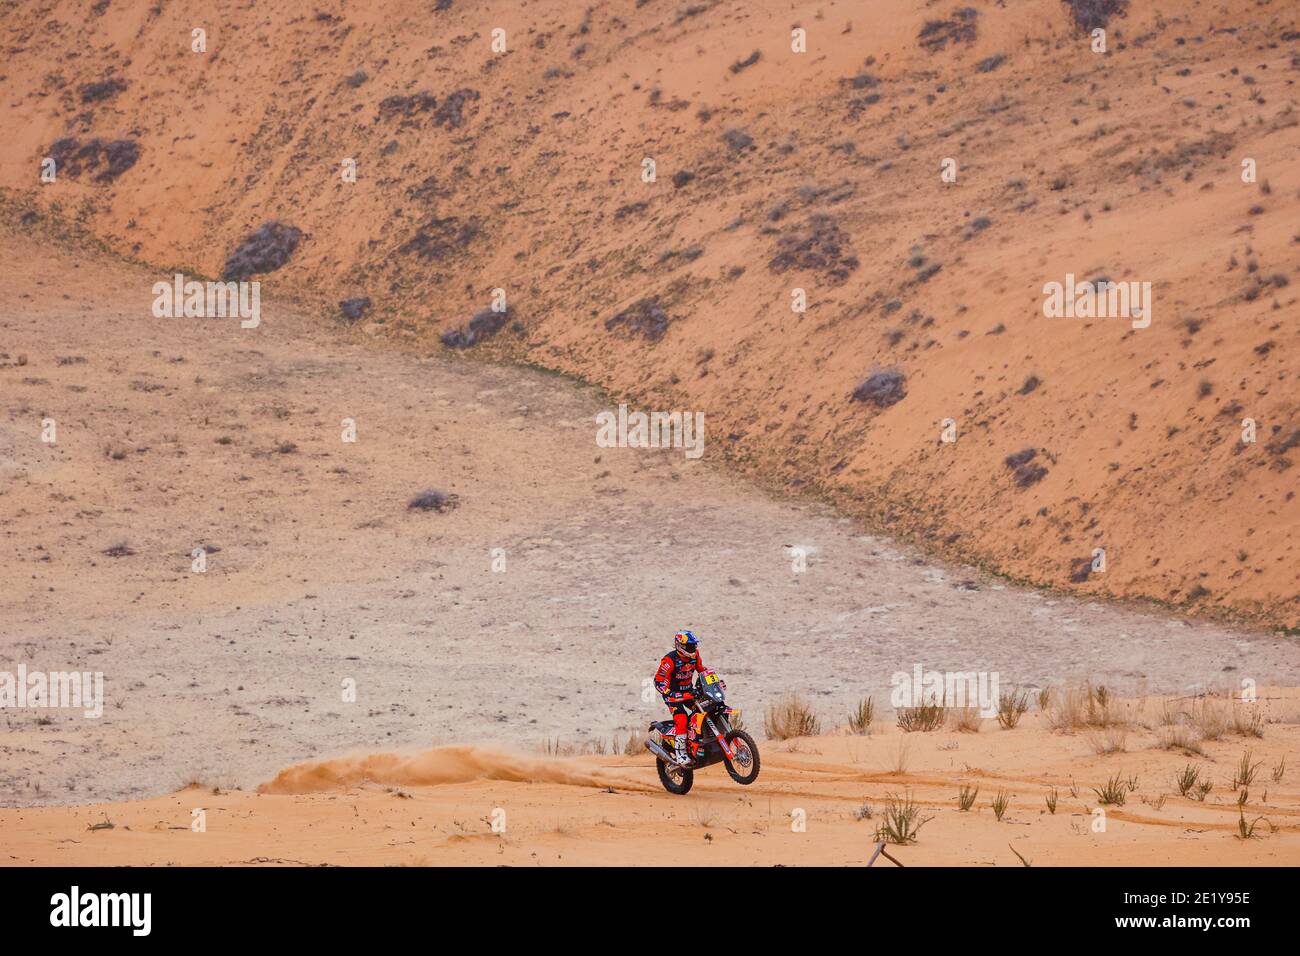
(1051, 801)
(900, 758)
(1280, 770)
(1246, 831)
(791, 717)
(1001, 801)
(966, 797)
(966, 720)
(1011, 707)
(901, 821)
(1244, 775)
(862, 716)
(924, 717)
(1112, 793)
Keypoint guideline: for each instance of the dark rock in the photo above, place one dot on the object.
(106, 159)
(1026, 471)
(266, 250)
(882, 389)
(101, 90)
(354, 308)
(820, 246)
(481, 327)
(645, 318)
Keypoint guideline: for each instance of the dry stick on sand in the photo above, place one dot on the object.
(881, 851)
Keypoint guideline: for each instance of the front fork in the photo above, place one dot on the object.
(720, 737)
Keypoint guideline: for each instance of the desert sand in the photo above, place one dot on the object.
(223, 687)
(817, 801)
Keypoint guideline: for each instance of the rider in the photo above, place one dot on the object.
(675, 681)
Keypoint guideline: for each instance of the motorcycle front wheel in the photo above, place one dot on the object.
(675, 779)
(744, 769)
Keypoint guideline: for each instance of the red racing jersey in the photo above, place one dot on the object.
(676, 674)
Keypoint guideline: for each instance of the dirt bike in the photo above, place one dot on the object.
(716, 740)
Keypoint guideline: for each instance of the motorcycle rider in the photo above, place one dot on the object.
(675, 681)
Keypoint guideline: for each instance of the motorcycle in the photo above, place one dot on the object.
(716, 740)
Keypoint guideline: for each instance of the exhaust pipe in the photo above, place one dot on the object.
(659, 752)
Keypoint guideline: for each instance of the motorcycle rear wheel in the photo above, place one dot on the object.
(675, 779)
(745, 769)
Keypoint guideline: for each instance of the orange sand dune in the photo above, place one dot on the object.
(817, 801)
(778, 174)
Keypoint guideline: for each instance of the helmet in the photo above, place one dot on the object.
(686, 643)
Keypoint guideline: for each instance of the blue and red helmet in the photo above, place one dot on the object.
(686, 643)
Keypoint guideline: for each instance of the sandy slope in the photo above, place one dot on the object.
(439, 807)
(526, 176)
(175, 434)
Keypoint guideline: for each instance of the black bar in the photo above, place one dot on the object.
(263, 905)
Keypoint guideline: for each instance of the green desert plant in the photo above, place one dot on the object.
(1244, 775)
(1001, 801)
(901, 821)
(1186, 779)
(1112, 793)
(1246, 831)
(966, 797)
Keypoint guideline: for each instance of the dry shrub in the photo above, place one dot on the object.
(861, 717)
(1108, 740)
(1214, 716)
(1011, 707)
(924, 717)
(966, 720)
(1180, 737)
(1247, 721)
(790, 717)
(1087, 707)
(635, 744)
